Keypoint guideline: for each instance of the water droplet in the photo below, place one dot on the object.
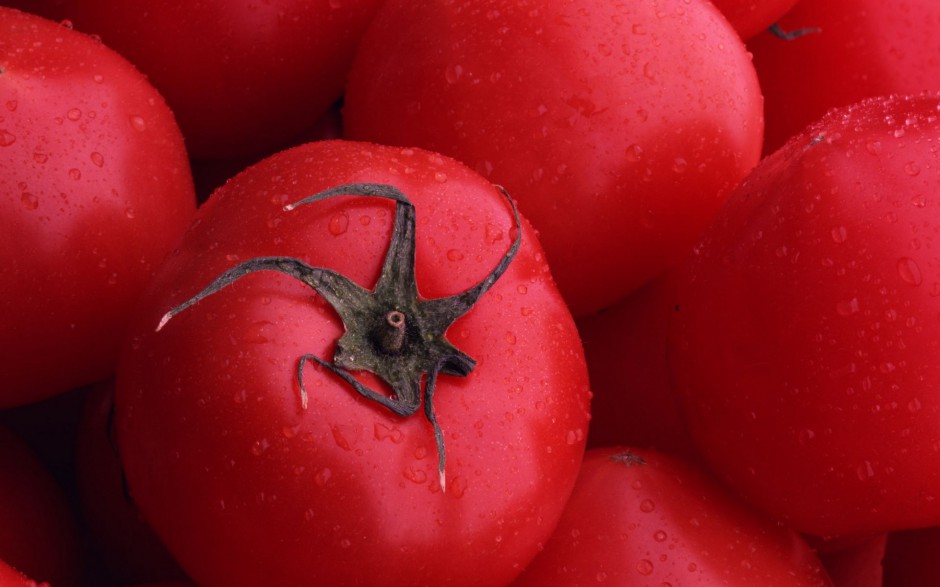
(415, 475)
(97, 158)
(29, 201)
(138, 123)
(839, 234)
(73, 114)
(522, 289)
(40, 157)
(453, 73)
(97, 78)
(847, 307)
(873, 147)
(638, 29)
(392, 433)
(440, 177)
(909, 271)
(338, 437)
(633, 153)
(454, 255)
(601, 576)
(11, 105)
(322, 476)
(338, 224)
(647, 505)
(573, 437)
(914, 405)
(345, 543)
(75, 174)
(679, 165)
(510, 338)
(130, 213)
(806, 435)
(659, 536)
(6, 138)
(865, 471)
(526, 311)
(912, 168)
(644, 567)
(259, 446)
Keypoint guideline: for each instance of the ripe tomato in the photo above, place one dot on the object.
(640, 518)
(620, 127)
(38, 533)
(858, 49)
(246, 486)
(95, 188)
(241, 77)
(750, 17)
(806, 331)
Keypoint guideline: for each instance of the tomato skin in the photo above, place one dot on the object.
(38, 532)
(220, 63)
(805, 333)
(10, 577)
(246, 488)
(616, 127)
(859, 49)
(638, 517)
(96, 189)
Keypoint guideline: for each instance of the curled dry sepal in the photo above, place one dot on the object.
(389, 331)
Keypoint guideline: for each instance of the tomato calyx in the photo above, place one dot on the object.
(776, 30)
(390, 331)
(628, 458)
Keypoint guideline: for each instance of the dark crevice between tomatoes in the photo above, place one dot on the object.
(776, 30)
(390, 331)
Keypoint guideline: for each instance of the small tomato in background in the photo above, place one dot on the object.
(96, 189)
(633, 403)
(10, 577)
(638, 517)
(750, 17)
(853, 49)
(246, 486)
(619, 127)
(243, 78)
(39, 534)
(805, 337)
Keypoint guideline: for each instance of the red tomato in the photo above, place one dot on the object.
(641, 518)
(750, 17)
(806, 328)
(247, 487)
(96, 189)
(127, 546)
(857, 49)
(242, 77)
(858, 564)
(625, 347)
(38, 533)
(620, 127)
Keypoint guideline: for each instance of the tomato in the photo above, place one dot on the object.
(750, 17)
(38, 532)
(625, 347)
(96, 189)
(638, 517)
(858, 564)
(620, 127)
(126, 545)
(804, 337)
(248, 481)
(854, 49)
(242, 77)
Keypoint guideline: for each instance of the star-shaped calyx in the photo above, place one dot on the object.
(390, 331)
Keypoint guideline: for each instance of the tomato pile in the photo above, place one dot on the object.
(469, 293)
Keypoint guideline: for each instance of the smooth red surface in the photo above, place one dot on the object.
(95, 189)
(619, 127)
(804, 348)
(246, 488)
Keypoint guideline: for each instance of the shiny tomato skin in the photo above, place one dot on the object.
(246, 488)
(95, 188)
(855, 49)
(10, 577)
(242, 77)
(620, 127)
(638, 517)
(806, 326)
